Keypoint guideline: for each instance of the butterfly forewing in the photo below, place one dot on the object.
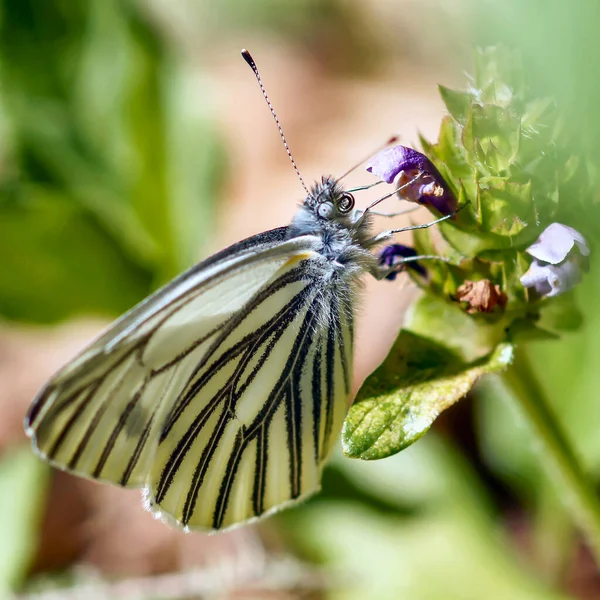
(220, 394)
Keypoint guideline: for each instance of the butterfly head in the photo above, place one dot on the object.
(328, 212)
(328, 201)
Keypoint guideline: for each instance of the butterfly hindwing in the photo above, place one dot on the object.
(219, 394)
(251, 432)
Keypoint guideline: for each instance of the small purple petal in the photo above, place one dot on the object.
(423, 182)
(394, 254)
(555, 243)
(388, 163)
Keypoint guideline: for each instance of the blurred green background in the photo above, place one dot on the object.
(126, 155)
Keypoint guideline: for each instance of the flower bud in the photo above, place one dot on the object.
(394, 254)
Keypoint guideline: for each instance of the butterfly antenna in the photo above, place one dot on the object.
(248, 58)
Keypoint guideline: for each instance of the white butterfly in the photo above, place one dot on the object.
(221, 394)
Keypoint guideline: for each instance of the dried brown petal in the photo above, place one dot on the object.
(481, 296)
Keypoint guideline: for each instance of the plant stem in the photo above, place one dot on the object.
(553, 534)
(573, 486)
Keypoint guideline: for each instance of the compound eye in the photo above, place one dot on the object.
(346, 203)
(325, 210)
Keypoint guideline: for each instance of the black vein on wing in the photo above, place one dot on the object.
(79, 400)
(145, 433)
(252, 245)
(317, 398)
(124, 416)
(97, 417)
(279, 328)
(260, 472)
(270, 332)
(329, 382)
(342, 345)
(190, 391)
(281, 394)
(62, 436)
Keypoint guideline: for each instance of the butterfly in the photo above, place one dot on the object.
(221, 394)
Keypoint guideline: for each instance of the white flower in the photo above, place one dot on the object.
(559, 255)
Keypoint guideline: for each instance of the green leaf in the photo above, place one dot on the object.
(457, 103)
(474, 243)
(525, 330)
(399, 402)
(492, 135)
(506, 207)
(450, 151)
(445, 323)
(23, 478)
(111, 164)
(196, 166)
(533, 113)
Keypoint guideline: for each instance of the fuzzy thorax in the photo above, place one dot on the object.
(324, 214)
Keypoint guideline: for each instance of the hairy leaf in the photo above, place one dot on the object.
(399, 402)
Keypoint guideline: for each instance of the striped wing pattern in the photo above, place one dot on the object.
(220, 396)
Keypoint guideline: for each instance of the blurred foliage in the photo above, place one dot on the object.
(107, 174)
(23, 479)
(450, 548)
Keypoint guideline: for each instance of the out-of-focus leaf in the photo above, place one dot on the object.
(438, 556)
(195, 167)
(58, 261)
(449, 549)
(114, 179)
(567, 370)
(427, 475)
(504, 441)
(473, 244)
(533, 113)
(498, 75)
(399, 402)
(23, 481)
(525, 330)
(145, 124)
(562, 314)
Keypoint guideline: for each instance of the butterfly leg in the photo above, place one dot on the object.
(390, 215)
(386, 235)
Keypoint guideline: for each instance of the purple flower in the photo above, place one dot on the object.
(559, 258)
(394, 254)
(402, 165)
